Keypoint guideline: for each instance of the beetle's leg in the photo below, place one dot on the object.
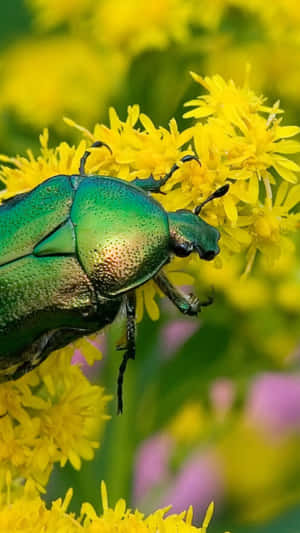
(86, 154)
(130, 345)
(188, 305)
(151, 185)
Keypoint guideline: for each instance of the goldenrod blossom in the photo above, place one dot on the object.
(234, 141)
(58, 75)
(50, 13)
(53, 414)
(166, 21)
(30, 514)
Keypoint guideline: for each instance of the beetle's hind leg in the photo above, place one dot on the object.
(151, 185)
(188, 305)
(129, 347)
(87, 153)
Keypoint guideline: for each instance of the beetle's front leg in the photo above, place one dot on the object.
(130, 304)
(188, 305)
(151, 185)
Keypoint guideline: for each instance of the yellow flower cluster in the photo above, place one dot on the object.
(29, 514)
(238, 143)
(51, 415)
(281, 18)
(49, 419)
(234, 143)
(68, 76)
(165, 20)
(79, 70)
(237, 138)
(85, 64)
(266, 35)
(76, 70)
(55, 12)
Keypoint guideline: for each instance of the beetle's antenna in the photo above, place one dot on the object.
(217, 194)
(86, 154)
(175, 167)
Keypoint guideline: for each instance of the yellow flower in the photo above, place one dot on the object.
(53, 414)
(233, 140)
(28, 172)
(141, 25)
(165, 20)
(253, 466)
(189, 424)
(224, 100)
(267, 37)
(270, 42)
(29, 514)
(249, 143)
(50, 13)
(288, 294)
(58, 75)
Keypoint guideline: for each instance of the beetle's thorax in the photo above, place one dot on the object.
(122, 234)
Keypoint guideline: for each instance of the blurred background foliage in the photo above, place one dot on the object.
(212, 406)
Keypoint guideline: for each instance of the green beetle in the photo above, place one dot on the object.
(72, 252)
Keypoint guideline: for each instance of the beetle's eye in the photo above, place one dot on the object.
(208, 256)
(182, 251)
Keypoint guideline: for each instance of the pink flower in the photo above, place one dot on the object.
(274, 403)
(199, 482)
(151, 465)
(175, 334)
(222, 394)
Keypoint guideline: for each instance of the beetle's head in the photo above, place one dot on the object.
(190, 233)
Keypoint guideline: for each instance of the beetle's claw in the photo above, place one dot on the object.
(196, 304)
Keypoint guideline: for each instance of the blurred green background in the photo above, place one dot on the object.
(212, 406)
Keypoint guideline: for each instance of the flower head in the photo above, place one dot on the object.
(62, 74)
(29, 514)
(235, 143)
(53, 414)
